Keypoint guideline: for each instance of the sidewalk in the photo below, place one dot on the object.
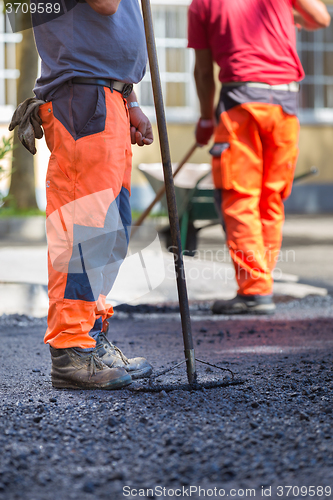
(148, 276)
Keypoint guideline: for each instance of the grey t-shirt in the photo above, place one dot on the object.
(81, 42)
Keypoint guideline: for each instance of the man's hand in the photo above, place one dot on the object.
(141, 130)
(204, 131)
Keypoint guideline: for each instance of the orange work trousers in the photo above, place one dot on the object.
(88, 213)
(255, 173)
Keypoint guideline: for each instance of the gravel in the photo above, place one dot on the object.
(274, 428)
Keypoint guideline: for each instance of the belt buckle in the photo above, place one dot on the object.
(127, 89)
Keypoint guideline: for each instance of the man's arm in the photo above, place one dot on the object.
(104, 7)
(311, 14)
(205, 84)
(141, 129)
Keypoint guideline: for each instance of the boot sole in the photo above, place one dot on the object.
(119, 383)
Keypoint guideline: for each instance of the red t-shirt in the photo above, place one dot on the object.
(251, 40)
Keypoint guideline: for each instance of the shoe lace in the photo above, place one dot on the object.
(95, 364)
(118, 351)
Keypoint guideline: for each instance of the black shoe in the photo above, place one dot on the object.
(79, 370)
(245, 304)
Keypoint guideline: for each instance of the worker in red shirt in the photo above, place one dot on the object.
(256, 135)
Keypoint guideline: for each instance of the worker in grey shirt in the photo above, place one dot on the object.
(91, 53)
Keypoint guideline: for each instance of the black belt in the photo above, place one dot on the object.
(124, 88)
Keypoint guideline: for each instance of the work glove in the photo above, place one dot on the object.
(204, 131)
(27, 119)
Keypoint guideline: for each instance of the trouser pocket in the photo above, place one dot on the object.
(221, 164)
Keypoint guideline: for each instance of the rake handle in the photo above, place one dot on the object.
(170, 192)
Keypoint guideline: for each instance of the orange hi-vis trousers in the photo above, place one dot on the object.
(255, 173)
(88, 213)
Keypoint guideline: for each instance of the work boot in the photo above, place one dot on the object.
(245, 304)
(84, 370)
(112, 356)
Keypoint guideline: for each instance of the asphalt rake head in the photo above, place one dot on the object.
(196, 386)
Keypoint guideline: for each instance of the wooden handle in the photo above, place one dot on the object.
(161, 191)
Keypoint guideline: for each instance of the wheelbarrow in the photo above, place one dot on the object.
(194, 196)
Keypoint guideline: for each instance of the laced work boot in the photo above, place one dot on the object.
(113, 357)
(242, 304)
(79, 370)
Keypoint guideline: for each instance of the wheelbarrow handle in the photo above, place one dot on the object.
(310, 173)
(161, 191)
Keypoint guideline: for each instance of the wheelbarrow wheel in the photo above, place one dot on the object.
(191, 240)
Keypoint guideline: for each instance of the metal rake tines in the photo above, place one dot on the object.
(167, 370)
